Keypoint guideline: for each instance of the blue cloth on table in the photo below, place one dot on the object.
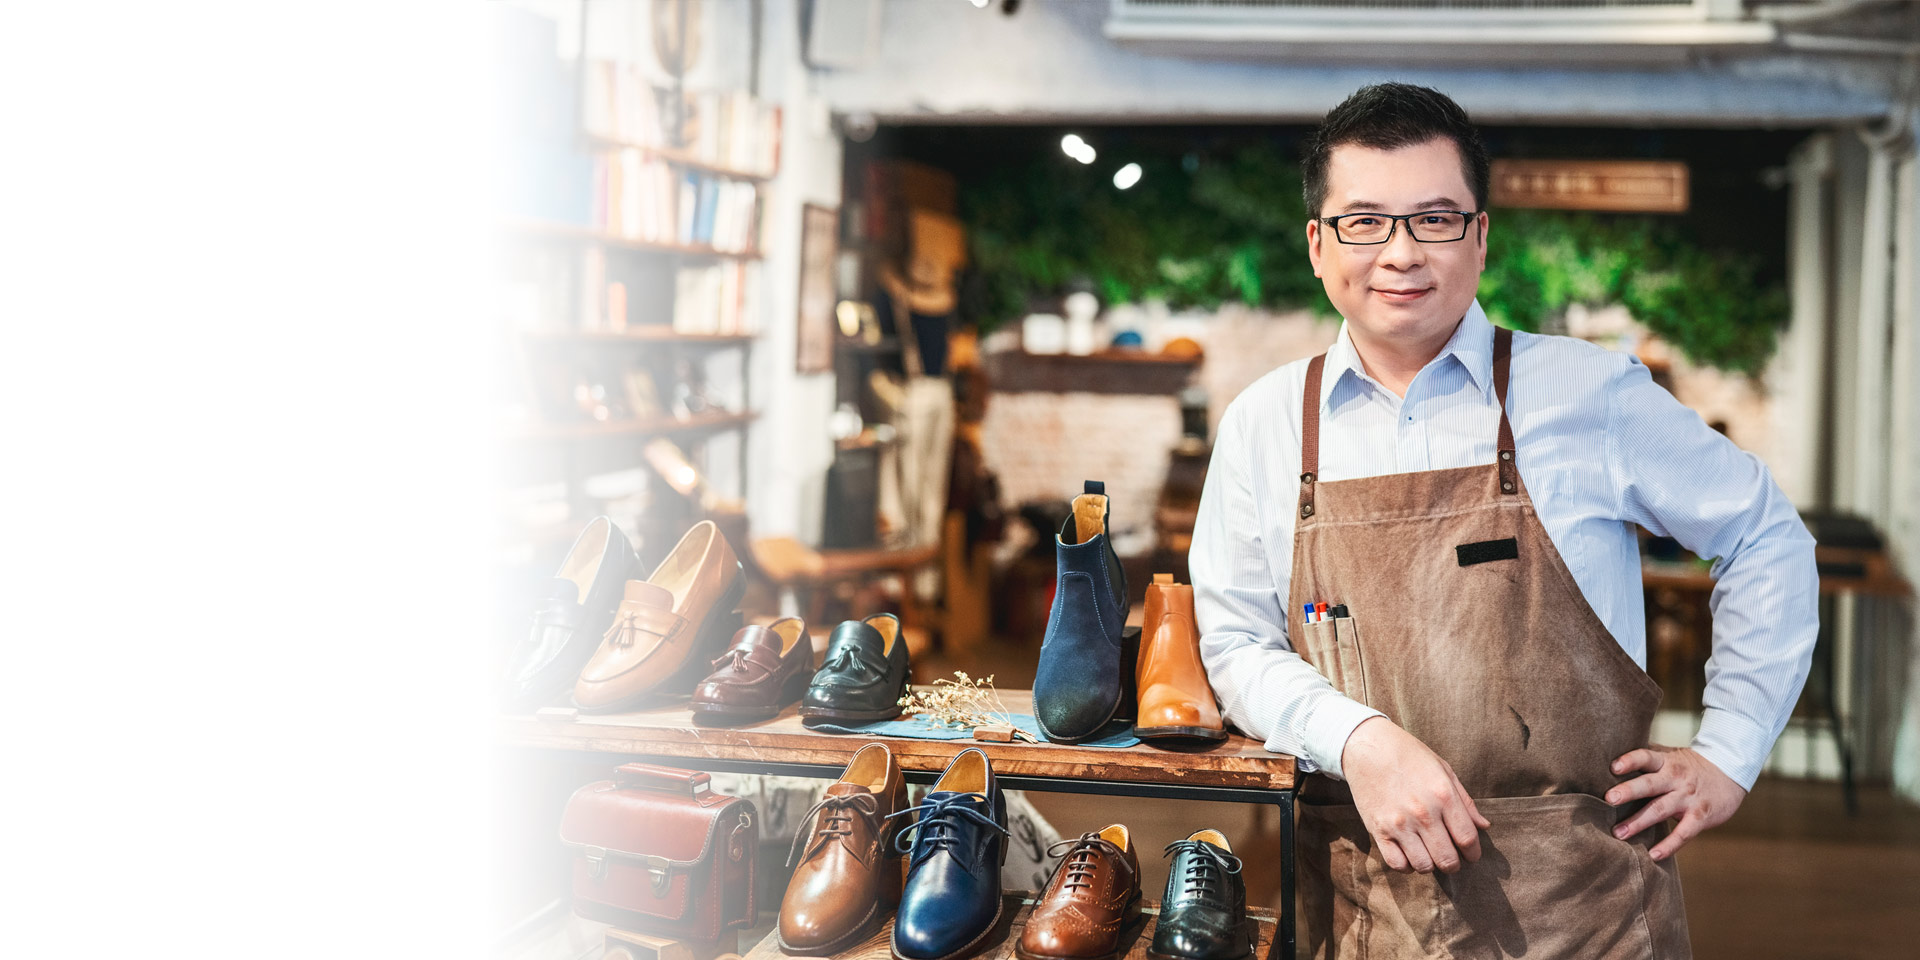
(917, 728)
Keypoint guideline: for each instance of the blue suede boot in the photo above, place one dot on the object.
(1078, 689)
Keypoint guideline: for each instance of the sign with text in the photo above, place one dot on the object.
(1612, 186)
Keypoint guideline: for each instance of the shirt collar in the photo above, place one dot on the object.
(1471, 346)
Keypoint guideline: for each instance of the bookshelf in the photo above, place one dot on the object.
(626, 303)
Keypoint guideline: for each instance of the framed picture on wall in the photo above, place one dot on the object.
(819, 247)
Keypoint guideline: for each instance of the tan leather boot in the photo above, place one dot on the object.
(1175, 698)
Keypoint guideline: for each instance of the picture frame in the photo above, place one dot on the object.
(819, 250)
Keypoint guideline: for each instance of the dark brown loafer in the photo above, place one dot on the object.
(764, 669)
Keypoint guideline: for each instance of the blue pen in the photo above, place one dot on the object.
(1309, 611)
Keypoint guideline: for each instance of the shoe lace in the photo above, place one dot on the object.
(939, 818)
(1206, 869)
(836, 820)
(1080, 857)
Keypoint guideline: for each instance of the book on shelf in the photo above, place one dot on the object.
(730, 129)
(639, 197)
(718, 299)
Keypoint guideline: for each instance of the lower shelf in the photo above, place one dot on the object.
(1013, 918)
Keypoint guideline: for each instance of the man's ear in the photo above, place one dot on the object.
(1313, 245)
(1485, 225)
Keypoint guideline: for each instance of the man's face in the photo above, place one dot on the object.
(1401, 291)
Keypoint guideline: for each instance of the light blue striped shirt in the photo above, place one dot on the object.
(1602, 447)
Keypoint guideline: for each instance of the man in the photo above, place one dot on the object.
(1478, 711)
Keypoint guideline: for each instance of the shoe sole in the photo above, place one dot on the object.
(828, 713)
(721, 623)
(972, 946)
(794, 689)
(1182, 733)
(868, 926)
(1132, 917)
(1253, 944)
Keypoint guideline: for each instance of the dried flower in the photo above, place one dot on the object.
(961, 703)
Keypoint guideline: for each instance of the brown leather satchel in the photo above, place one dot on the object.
(657, 852)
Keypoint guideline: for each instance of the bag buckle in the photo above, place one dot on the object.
(596, 861)
(662, 870)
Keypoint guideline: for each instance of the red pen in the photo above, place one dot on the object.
(1320, 612)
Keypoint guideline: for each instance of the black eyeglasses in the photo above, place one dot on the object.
(1427, 226)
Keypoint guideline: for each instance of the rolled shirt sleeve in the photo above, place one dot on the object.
(1264, 687)
(1677, 477)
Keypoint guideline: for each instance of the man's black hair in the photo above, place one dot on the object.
(1388, 116)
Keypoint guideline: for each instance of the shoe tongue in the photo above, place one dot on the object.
(944, 794)
(648, 595)
(842, 788)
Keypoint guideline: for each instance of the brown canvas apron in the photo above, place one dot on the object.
(1468, 631)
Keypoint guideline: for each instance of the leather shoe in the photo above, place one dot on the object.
(849, 872)
(669, 626)
(765, 669)
(1176, 701)
(1204, 915)
(951, 901)
(1079, 686)
(863, 676)
(1093, 898)
(574, 611)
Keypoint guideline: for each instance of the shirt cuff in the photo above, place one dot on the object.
(1735, 744)
(1324, 733)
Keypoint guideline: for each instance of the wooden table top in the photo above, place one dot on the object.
(669, 731)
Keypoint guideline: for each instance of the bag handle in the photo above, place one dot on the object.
(646, 776)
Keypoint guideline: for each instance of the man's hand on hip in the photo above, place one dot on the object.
(1409, 799)
(1683, 785)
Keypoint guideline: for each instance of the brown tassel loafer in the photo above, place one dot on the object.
(669, 626)
(764, 669)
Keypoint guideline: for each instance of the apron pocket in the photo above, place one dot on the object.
(1353, 665)
(1551, 882)
(1337, 660)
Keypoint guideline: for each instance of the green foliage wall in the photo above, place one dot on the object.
(1199, 231)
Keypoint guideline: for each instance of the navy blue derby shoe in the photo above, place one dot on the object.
(1079, 685)
(956, 844)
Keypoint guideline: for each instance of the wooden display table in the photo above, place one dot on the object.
(1013, 919)
(1236, 770)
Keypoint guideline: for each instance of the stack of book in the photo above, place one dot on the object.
(640, 197)
(720, 299)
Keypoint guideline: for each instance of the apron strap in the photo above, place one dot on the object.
(1502, 360)
(1310, 423)
(1310, 434)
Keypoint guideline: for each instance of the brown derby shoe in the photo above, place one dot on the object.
(1088, 906)
(1175, 698)
(849, 873)
(669, 626)
(764, 669)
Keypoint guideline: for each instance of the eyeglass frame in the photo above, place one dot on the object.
(1398, 219)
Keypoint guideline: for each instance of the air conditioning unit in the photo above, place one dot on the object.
(1438, 30)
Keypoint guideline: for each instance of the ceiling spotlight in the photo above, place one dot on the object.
(1127, 176)
(979, 4)
(1071, 143)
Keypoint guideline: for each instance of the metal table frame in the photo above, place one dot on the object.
(1283, 938)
